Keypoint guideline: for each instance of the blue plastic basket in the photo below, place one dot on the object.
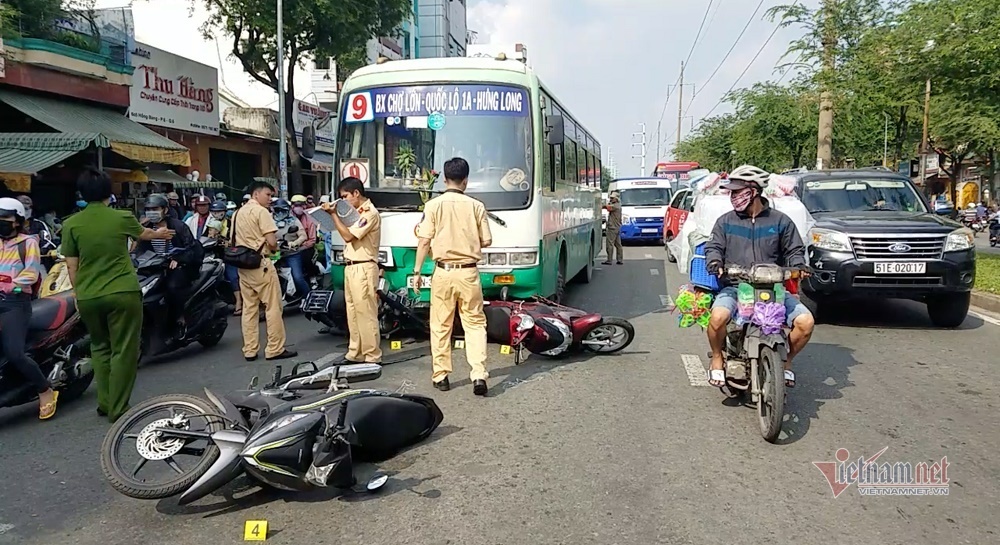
(699, 271)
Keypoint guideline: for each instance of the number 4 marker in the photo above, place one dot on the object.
(255, 530)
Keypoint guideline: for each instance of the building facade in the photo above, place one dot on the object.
(443, 28)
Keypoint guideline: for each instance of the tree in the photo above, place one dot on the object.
(312, 28)
(606, 178)
(711, 144)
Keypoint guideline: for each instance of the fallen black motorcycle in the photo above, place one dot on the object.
(302, 431)
(206, 314)
(396, 312)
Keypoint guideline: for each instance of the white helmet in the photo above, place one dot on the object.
(750, 173)
(12, 207)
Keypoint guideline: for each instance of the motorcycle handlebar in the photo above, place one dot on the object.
(739, 272)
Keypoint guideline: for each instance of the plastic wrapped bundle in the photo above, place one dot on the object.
(709, 185)
(769, 316)
(779, 185)
(708, 210)
(693, 305)
(792, 207)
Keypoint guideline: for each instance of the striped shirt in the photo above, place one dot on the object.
(14, 272)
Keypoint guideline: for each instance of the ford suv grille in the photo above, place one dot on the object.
(909, 247)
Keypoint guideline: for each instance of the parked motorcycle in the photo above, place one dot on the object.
(396, 310)
(58, 343)
(205, 313)
(301, 431)
(994, 231)
(549, 329)
(759, 340)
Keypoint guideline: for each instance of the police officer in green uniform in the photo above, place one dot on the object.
(95, 242)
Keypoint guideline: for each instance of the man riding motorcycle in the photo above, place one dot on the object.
(185, 250)
(753, 233)
(284, 219)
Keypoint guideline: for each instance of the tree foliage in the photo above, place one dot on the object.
(883, 52)
(312, 28)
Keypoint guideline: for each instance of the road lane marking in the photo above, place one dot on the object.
(649, 256)
(654, 272)
(4, 528)
(665, 300)
(985, 318)
(696, 372)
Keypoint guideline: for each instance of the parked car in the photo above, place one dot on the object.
(677, 213)
(877, 237)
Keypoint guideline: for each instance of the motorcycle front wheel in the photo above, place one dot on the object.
(771, 404)
(611, 335)
(183, 460)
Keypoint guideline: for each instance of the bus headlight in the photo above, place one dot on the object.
(495, 259)
(523, 258)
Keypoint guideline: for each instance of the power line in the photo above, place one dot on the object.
(730, 52)
(745, 70)
(698, 35)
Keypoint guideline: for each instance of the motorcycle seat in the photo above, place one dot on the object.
(207, 271)
(48, 313)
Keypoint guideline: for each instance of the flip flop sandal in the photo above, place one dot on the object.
(48, 410)
(789, 379)
(717, 375)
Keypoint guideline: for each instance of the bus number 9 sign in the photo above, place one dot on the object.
(359, 108)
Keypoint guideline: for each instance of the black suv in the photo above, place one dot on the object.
(877, 237)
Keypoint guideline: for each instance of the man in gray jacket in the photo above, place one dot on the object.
(753, 233)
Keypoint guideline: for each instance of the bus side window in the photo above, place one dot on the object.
(560, 165)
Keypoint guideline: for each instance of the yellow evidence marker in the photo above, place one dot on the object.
(396, 345)
(255, 530)
(505, 349)
(459, 344)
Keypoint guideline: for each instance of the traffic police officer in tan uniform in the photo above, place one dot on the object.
(254, 228)
(455, 229)
(361, 272)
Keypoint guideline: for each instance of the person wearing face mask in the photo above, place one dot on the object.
(196, 223)
(38, 229)
(311, 228)
(753, 233)
(186, 254)
(230, 209)
(19, 264)
(285, 220)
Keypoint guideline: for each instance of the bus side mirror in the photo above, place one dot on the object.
(555, 130)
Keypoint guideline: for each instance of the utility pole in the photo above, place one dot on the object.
(680, 108)
(642, 149)
(824, 144)
(924, 139)
(283, 144)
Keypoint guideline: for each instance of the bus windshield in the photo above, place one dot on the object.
(646, 196)
(411, 131)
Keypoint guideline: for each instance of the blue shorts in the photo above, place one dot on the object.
(726, 299)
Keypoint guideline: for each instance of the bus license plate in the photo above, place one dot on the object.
(425, 281)
(901, 268)
(649, 230)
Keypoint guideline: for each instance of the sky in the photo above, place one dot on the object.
(610, 62)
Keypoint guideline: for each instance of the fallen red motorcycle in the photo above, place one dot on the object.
(549, 329)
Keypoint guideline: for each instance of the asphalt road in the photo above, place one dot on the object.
(626, 449)
(983, 244)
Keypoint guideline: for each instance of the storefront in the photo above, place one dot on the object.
(45, 164)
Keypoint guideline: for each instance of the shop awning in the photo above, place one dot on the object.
(165, 177)
(126, 137)
(28, 153)
(321, 162)
(186, 184)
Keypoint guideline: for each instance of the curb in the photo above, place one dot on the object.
(986, 301)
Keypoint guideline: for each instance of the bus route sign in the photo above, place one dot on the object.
(413, 101)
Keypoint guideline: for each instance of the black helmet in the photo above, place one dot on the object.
(217, 206)
(281, 204)
(157, 200)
